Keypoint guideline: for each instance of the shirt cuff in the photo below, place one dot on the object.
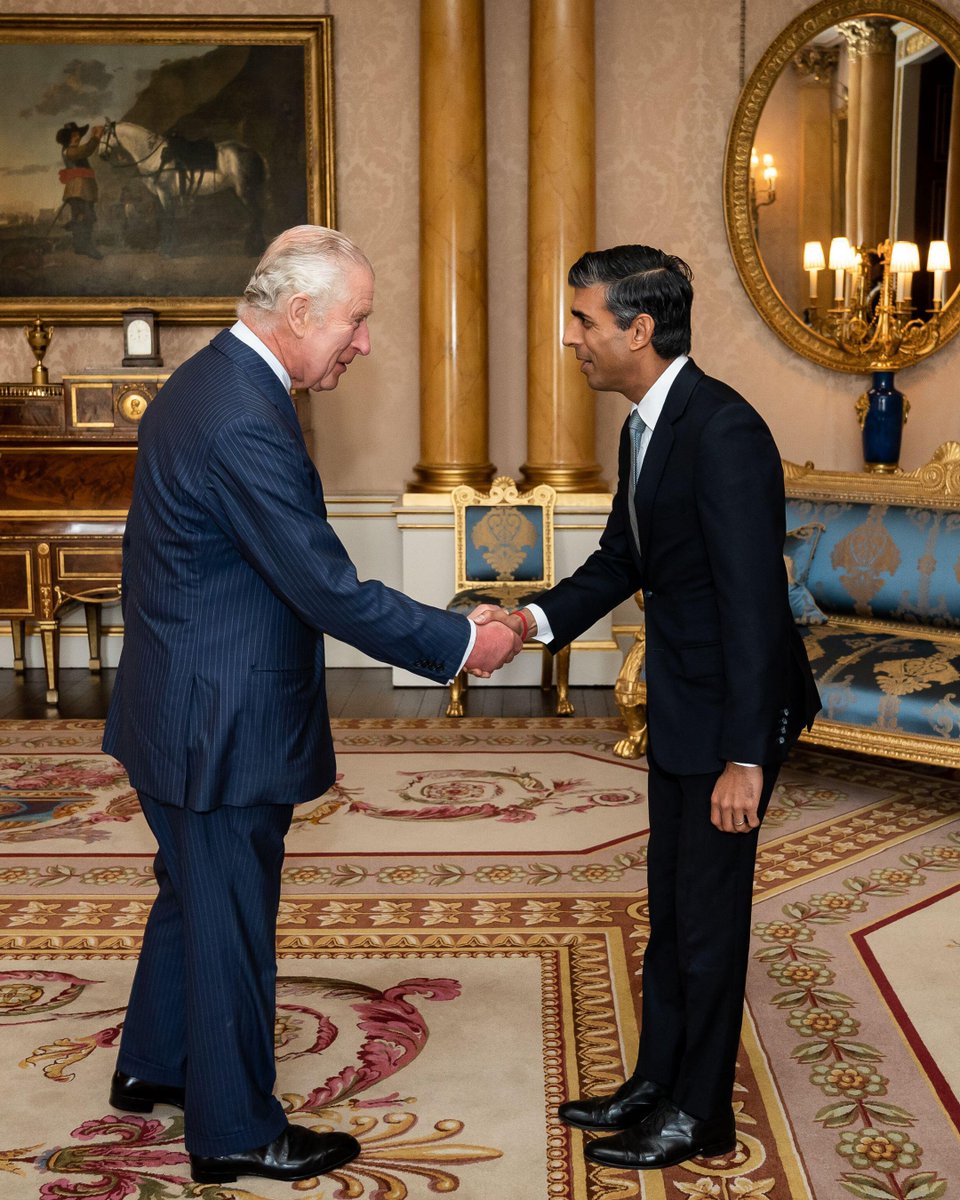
(740, 764)
(544, 632)
(470, 640)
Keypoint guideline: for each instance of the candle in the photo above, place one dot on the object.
(813, 263)
(938, 261)
(841, 259)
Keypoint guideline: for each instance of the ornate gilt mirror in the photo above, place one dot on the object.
(848, 127)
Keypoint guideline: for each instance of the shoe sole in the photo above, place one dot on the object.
(713, 1151)
(200, 1176)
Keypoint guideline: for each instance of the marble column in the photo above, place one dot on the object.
(818, 202)
(561, 435)
(951, 220)
(851, 226)
(875, 164)
(454, 424)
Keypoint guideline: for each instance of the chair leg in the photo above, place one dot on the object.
(94, 629)
(564, 706)
(546, 671)
(18, 631)
(630, 694)
(635, 743)
(458, 690)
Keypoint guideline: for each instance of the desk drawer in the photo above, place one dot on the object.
(16, 581)
(96, 563)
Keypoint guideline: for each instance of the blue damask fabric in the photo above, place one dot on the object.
(886, 681)
(798, 551)
(504, 542)
(884, 560)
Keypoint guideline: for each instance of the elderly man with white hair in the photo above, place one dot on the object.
(231, 576)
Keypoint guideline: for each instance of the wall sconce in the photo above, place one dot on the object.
(760, 197)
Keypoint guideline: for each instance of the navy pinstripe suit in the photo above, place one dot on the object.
(231, 576)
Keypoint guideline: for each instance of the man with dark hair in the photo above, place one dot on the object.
(697, 524)
(80, 184)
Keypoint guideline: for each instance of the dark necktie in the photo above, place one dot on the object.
(638, 428)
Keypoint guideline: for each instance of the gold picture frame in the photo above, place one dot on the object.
(932, 21)
(217, 132)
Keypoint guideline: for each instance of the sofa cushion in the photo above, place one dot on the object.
(897, 683)
(884, 560)
(798, 550)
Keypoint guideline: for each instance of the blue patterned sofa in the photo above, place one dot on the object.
(877, 560)
(885, 574)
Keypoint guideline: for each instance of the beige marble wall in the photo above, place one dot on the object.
(666, 88)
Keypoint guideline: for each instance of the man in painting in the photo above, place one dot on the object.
(231, 576)
(697, 524)
(80, 184)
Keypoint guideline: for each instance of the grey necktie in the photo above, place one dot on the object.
(638, 428)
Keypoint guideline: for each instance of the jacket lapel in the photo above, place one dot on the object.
(259, 374)
(659, 449)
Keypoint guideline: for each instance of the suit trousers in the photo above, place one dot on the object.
(700, 891)
(202, 1008)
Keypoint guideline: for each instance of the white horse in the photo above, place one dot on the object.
(232, 166)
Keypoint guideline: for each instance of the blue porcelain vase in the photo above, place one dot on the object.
(882, 424)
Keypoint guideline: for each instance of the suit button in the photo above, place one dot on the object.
(781, 740)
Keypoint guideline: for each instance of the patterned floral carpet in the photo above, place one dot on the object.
(460, 938)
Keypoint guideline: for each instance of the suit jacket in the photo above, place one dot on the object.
(727, 674)
(231, 576)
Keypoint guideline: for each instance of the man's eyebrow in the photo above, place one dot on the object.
(580, 315)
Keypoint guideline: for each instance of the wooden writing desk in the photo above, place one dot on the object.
(67, 455)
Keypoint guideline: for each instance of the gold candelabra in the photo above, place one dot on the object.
(873, 318)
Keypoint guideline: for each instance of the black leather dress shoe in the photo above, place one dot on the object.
(664, 1138)
(130, 1094)
(298, 1153)
(629, 1104)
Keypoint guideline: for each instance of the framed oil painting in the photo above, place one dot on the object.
(148, 161)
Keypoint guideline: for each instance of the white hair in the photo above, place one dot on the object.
(307, 259)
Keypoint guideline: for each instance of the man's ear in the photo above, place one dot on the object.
(297, 310)
(641, 331)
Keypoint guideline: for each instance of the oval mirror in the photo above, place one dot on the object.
(848, 127)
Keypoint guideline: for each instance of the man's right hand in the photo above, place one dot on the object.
(495, 645)
(484, 613)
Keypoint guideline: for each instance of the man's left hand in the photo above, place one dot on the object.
(736, 799)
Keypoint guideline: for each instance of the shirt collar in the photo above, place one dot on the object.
(651, 405)
(249, 338)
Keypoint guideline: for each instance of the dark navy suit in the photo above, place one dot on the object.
(727, 681)
(231, 576)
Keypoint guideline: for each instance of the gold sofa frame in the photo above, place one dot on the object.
(934, 485)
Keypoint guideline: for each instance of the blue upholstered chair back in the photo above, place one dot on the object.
(894, 561)
(504, 541)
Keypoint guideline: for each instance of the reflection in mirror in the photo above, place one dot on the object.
(864, 127)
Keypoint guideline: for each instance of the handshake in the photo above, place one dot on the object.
(500, 638)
